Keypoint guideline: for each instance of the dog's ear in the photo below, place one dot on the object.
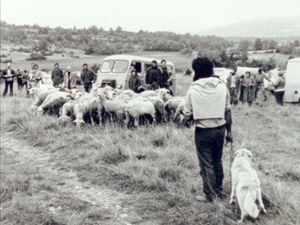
(235, 153)
(249, 154)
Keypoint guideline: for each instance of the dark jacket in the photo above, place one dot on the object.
(153, 75)
(134, 83)
(165, 75)
(57, 76)
(8, 77)
(87, 77)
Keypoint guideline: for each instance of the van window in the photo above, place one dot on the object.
(137, 66)
(120, 66)
(107, 66)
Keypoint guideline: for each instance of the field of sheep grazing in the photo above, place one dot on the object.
(58, 175)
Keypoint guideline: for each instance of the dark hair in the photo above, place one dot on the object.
(56, 64)
(203, 68)
(260, 70)
(248, 72)
(85, 64)
(154, 61)
(163, 60)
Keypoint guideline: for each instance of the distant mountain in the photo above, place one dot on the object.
(262, 27)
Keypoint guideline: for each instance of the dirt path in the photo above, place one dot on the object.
(69, 183)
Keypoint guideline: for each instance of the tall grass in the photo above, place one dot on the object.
(157, 166)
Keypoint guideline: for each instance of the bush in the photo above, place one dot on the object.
(36, 56)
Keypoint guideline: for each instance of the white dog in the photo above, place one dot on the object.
(245, 185)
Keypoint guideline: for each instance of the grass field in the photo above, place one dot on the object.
(56, 175)
(181, 61)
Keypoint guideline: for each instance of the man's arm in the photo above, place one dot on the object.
(188, 108)
(228, 118)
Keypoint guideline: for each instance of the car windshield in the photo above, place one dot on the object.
(117, 66)
(107, 66)
(120, 66)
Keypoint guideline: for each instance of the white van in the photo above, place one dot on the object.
(115, 70)
(292, 77)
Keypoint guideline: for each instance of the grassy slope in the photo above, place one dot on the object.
(156, 167)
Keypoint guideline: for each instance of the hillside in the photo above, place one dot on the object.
(262, 27)
(96, 40)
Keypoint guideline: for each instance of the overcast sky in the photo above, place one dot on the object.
(152, 15)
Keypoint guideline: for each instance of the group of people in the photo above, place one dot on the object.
(156, 77)
(245, 88)
(60, 78)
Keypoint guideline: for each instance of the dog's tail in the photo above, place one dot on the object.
(249, 203)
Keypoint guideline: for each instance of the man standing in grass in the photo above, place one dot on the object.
(207, 100)
(88, 78)
(57, 75)
(8, 75)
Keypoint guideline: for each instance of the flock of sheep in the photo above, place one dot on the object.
(108, 105)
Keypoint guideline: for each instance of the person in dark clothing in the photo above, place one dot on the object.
(57, 75)
(88, 78)
(8, 75)
(208, 102)
(134, 82)
(153, 76)
(19, 76)
(241, 88)
(25, 81)
(165, 75)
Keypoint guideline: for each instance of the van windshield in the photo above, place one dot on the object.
(107, 66)
(115, 66)
(120, 66)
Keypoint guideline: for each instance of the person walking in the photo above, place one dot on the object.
(57, 75)
(232, 87)
(207, 101)
(69, 79)
(249, 88)
(279, 86)
(88, 78)
(153, 76)
(8, 75)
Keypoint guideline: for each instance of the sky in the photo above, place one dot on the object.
(179, 16)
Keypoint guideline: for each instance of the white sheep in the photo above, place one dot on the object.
(87, 104)
(54, 101)
(171, 106)
(139, 107)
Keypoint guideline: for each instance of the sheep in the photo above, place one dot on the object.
(54, 101)
(67, 112)
(139, 107)
(115, 109)
(159, 108)
(148, 93)
(87, 104)
(171, 106)
(164, 94)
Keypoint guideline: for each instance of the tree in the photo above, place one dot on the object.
(272, 44)
(43, 45)
(258, 45)
(244, 56)
(243, 45)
